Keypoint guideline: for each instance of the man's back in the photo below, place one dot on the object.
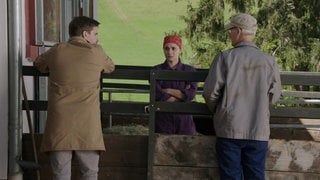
(249, 75)
(73, 127)
(241, 84)
(73, 95)
(75, 63)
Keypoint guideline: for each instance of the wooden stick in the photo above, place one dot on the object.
(26, 103)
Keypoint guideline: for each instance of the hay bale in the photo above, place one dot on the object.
(131, 129)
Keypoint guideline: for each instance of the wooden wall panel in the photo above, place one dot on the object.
(125, 158)
(198, 151)
(194, 173)
(187, 157)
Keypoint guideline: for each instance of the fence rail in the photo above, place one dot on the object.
(295, 104)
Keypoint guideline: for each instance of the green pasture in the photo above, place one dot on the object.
(132, 31)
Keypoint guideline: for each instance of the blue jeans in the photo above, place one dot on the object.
(241, 158)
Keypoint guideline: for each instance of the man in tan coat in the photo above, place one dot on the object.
(74, 124)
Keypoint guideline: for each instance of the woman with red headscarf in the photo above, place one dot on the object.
(174, 91)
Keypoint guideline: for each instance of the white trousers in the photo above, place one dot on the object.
(61, 164)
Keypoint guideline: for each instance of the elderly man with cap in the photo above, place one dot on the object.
(241, 84)
(174, 91)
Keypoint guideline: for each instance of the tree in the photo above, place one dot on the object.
(204, 30)
(288, 29)
(293, 30)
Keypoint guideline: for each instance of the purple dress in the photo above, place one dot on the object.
(168, 123)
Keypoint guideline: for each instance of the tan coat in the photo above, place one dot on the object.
(74, 121)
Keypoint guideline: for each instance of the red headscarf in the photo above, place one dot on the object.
(172, 39)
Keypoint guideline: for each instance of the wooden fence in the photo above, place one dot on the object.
(293, 104)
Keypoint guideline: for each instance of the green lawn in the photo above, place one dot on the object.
(132, 31)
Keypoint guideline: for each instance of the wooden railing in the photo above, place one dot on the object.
(294, 103)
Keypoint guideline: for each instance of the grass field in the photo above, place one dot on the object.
(132, 31)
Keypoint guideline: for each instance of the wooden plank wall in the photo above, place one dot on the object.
(188, 157)
(124, 159)
(193, 157)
